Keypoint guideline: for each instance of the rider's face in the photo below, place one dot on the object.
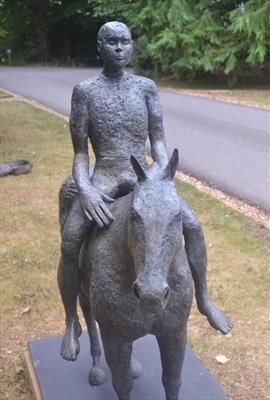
(116, 47)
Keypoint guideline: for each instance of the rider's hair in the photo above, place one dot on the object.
(110, 25)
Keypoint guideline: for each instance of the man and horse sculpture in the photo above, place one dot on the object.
(122, 226)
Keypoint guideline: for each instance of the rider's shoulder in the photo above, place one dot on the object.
(86, 86)
(146, 83)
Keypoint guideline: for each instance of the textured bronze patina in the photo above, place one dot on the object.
(131, 222)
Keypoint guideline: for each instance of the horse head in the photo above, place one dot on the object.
(154, 232)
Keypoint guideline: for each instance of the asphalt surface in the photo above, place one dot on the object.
(225, 145)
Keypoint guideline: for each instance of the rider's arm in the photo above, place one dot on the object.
(79, 120)
(91, 200)
(155, 126)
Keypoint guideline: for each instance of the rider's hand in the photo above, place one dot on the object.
(94, 206)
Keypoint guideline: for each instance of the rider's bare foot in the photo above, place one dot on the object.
(70, 346)
(216, 318)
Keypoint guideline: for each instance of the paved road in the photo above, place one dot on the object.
(223, 144)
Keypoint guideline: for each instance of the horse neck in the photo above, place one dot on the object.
(120, 210)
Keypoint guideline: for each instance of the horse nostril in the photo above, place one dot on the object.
(136, 291)
(166, 293)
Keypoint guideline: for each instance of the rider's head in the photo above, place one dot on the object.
(115, 44)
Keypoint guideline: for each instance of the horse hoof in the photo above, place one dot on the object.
(136, 368)
(70, 346)
(97, 376)
(70, 353)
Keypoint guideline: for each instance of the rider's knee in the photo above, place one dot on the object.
(191, 225)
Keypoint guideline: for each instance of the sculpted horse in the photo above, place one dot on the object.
(136, 280)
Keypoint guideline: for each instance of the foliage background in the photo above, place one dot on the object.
(179, 38)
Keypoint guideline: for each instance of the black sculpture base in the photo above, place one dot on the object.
(55, 379)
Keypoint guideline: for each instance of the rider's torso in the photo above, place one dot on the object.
(118, 127)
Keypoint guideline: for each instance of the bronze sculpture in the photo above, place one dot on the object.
(140, 281)
(117, 111)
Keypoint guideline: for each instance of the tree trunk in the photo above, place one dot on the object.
(39, 8)
(67, 37)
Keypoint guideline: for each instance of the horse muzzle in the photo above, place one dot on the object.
(151, 298)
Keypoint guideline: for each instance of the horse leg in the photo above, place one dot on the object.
(118, 357)
(97, 375)
(172, 351)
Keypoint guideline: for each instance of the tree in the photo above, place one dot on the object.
(187, 38)
(250, 23)
(180, 38)
(48, 30)
(25, 24)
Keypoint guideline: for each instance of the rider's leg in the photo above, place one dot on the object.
(73, 232)
(197, 257)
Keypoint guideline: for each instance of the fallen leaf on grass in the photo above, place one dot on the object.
(19, 369)
(26, 310)
(221, 359)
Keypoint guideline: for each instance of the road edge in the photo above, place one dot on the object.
(208, 96)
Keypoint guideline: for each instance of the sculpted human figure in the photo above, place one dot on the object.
(117, 111)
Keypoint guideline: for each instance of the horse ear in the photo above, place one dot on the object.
(171, 167)
(141, 175)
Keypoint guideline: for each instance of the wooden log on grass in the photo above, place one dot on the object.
(16, 167)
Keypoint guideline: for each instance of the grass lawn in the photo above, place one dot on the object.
(238, 272)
